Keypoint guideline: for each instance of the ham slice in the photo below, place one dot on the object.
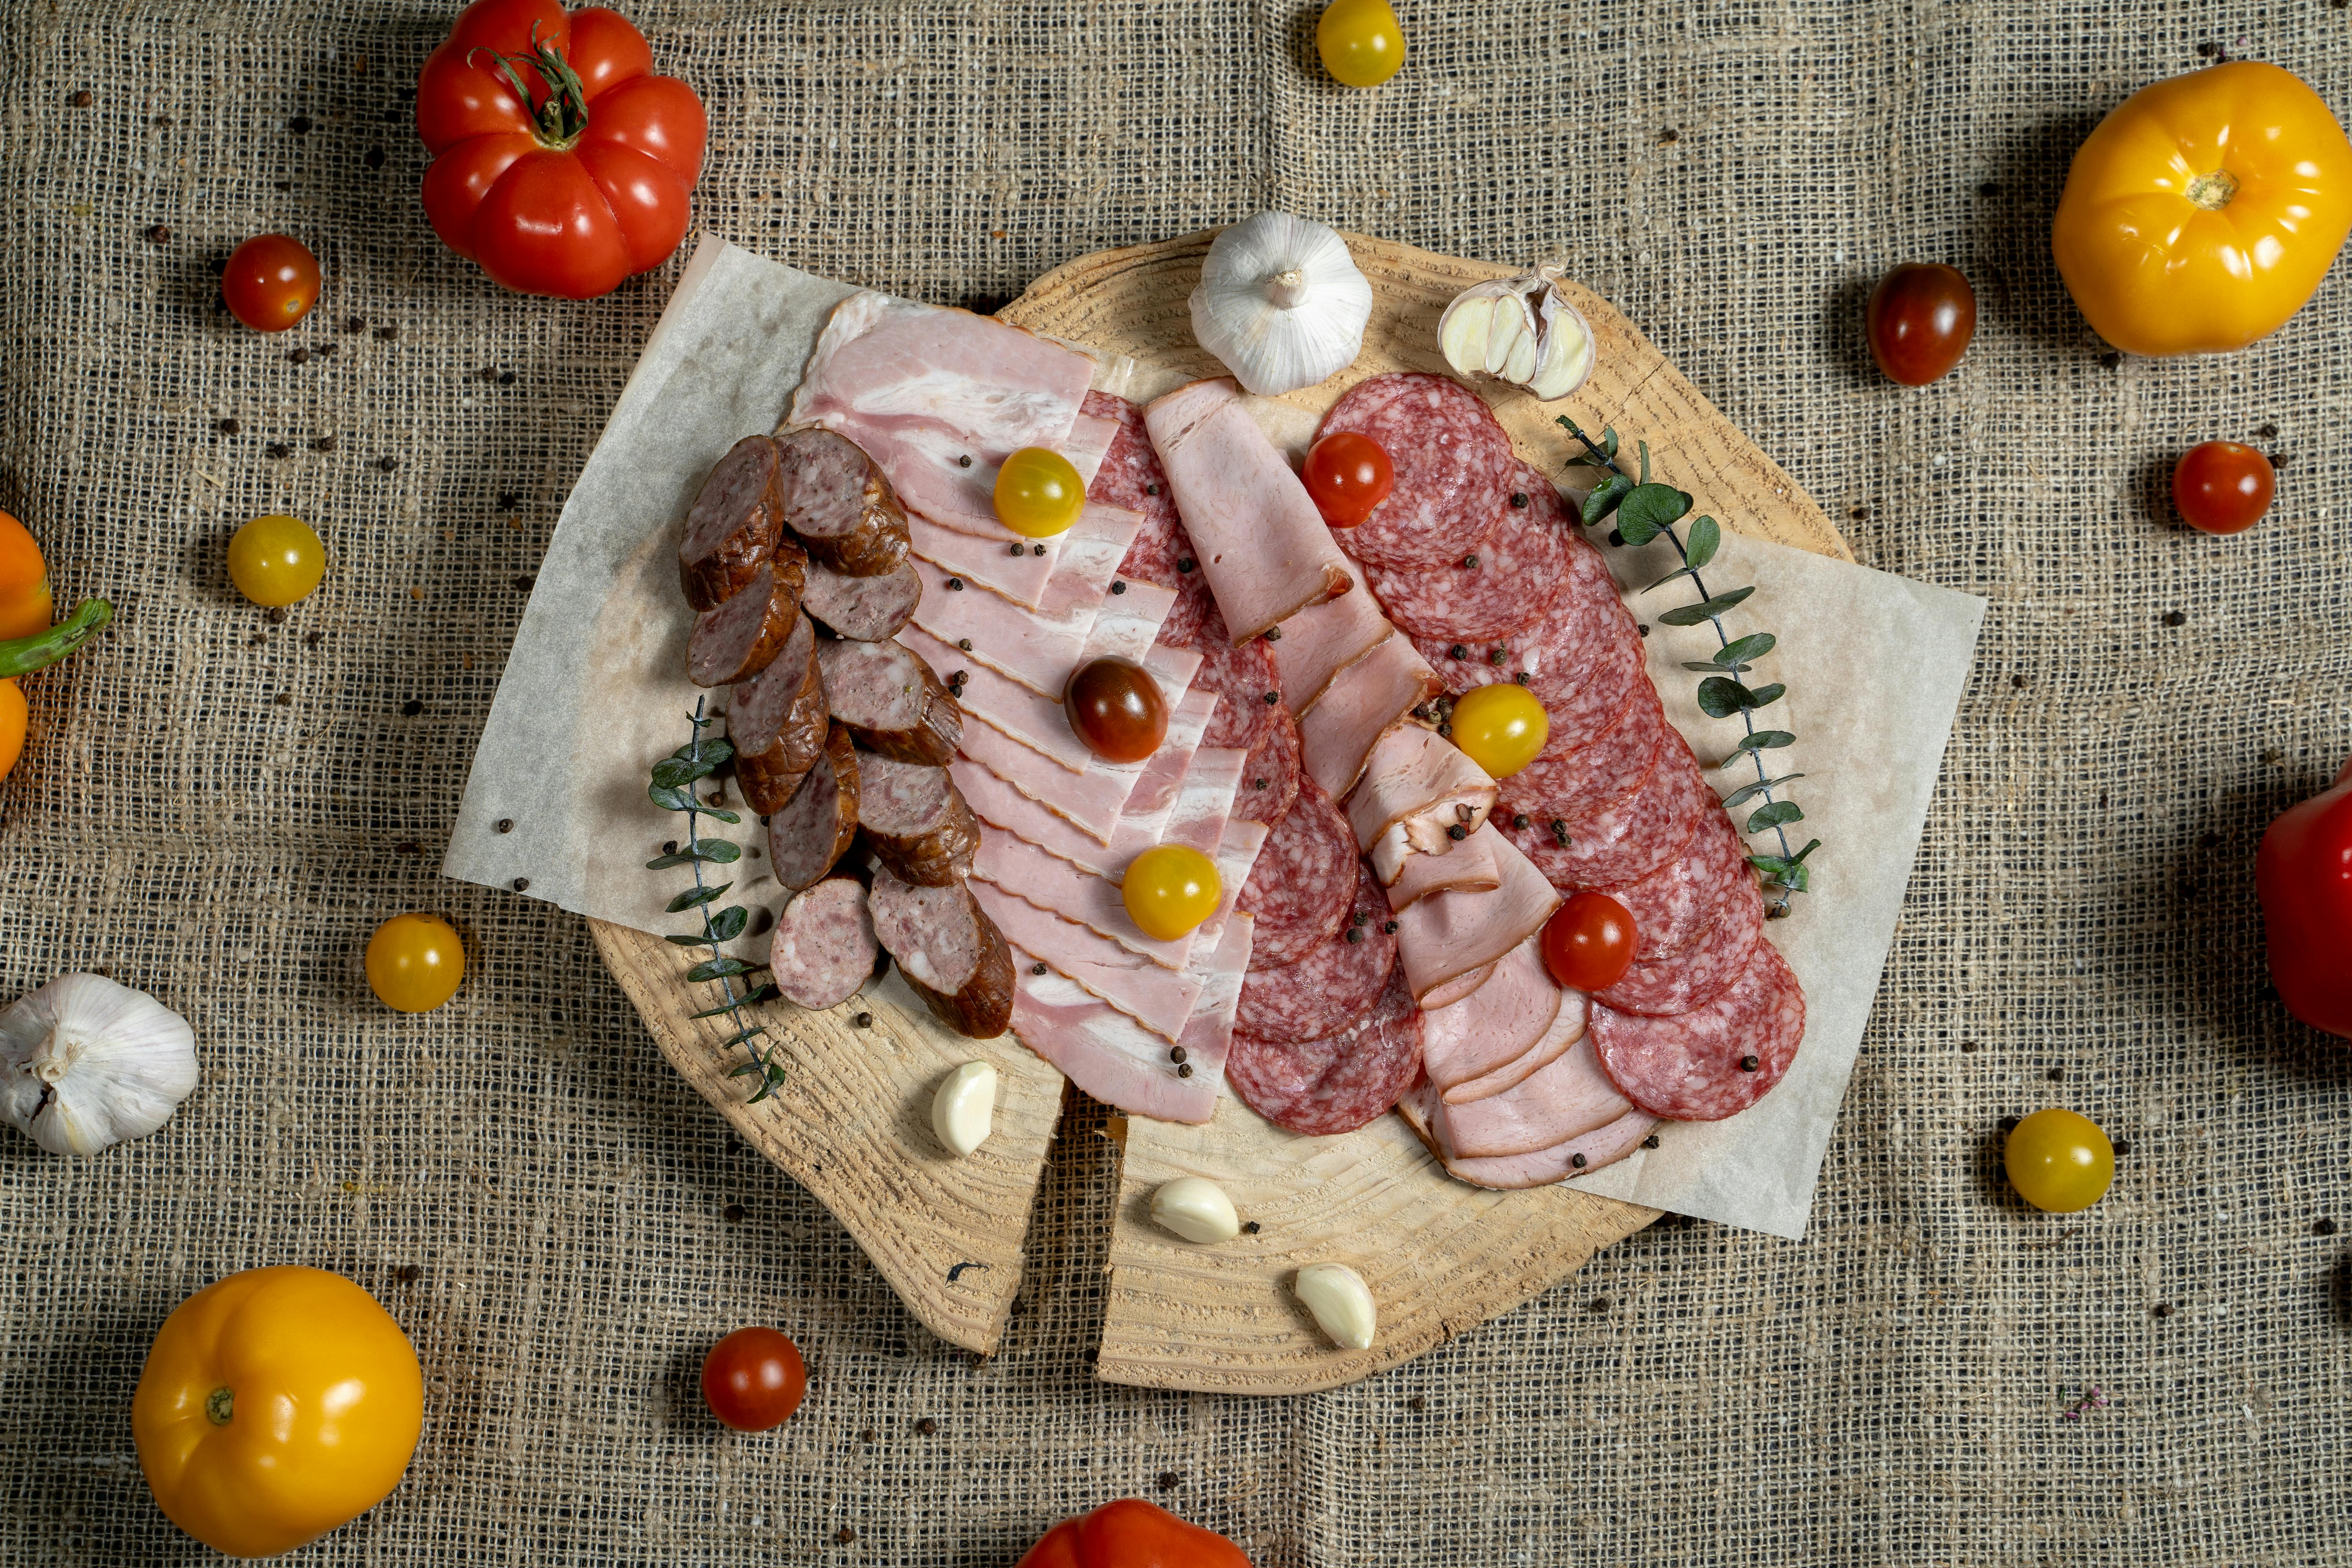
(1359, 706)
(1160, 999)
(1075, 815)
(1417, 780)
(939, 398)
(1037, 648)
(1567, 1097)
(1576, 1157)
(1463, 985)
(1087, 444)
(1469, 870)
(1321, 640)
(1495, 1025)
(1448, 934)
(1567, 1027)
(1259, 540)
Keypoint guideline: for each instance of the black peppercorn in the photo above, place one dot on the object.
(300, 125)
(1577, 1161)
(300, 356)
(2162, 1308)
(1388, 926)
(1036, 968)
(1524, 678)
(1643, 628)
(1445, 730)
(1497, 656)
(1650, 1141)
(1152, 490)
(1457, 833)
(964, 462)
(669, 847)
(1272, 697)
(522, 884)
(1601, 1304)
(1616, 536)
(412, 708)
(1037, 550)
(1257, 783)
(374, 158)
(927, 1426)
(1184, 1070)
(2111, 359)
(228, 427)
(955, 585)
(278, 449)
(2175, 618)
(1520, 820)
(1273, 634)
(844, 1535)
(1470, 560)
(1457, 651)
(1012, 549)
(2322, 1228)
(1251, 1227)
(1176, 1052)
(2057, 1075)
(1116, 586)
(161, 234)
(1519, 499)
(506, 825)
(1560, 832)
(1749, 1064)
(2121, 1147)
(964, 643)
(80, 100)
(1184, 564)
(1354, 933)
(323, 444)
(864, 1020)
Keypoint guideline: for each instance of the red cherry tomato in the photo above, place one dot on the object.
(1921, 318)
(1588, 942)
(1115, 710)
(2222, 487)
(271, 282)
(1348, 474)
(582, 182)
(753, 1378)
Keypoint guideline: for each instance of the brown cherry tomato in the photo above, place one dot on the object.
(1349, 474)
(1588, 942)
(2222, 487)
(1921, 318)
(753, 1379)
(1115, 710)
(271, 282)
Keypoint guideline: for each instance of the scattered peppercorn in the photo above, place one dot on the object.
(323, 444)
(1036, 968)
(2111, 359)
(1577, 1161)
(2162, 1308)
(1643, 628)
(386, 334)
(1388, 926)
(2322, 1228)
(1445, 729)
(228, 427)
(1354, 933)
(1457, 651)
(284, 700)
(161, 234)
(80, 100)
(2057, 1075)
(300, 125)
(1524, 678)
(864, 1020)
(1859, 514)
(926, 1427)
(1560, 832)
(2121, 1147)
(964, 643)
(1184, 564)
(1456, 832)
(412, 708)
(506, 825)
(1184, 1069)
(2019, 681)
(408, 1274)
(1037, 550)
(964, 461)
(312, 639)
(1272, 697)
(732, 1214)
(669, 845)
(1497, 656)
(275, 614)
(2008, 1125)
(1470, 560)
(1600, 1303)
(1116, 586)
(1616, 536)
(525, 582)
(1650, 1141)
(1176, 1052)
(522, 884)
(278, 449)
(844, 1535)
(1416, 1403)
(387, 464)
(1012, 549)
(1251, 1227)
(2175, 618)
(1257, 783)
(355, 323)
(866, 1435)
(1152, 490)
(1519, 819)
(300, 356)
(955, 585)
(1170, 1480)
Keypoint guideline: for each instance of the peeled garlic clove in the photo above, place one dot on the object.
(1281, 303)
(1196, 1209)
(1521, 331)
(86, 1063)
(1341, 1304)
(963, 1112)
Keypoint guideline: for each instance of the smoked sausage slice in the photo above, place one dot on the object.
(838, 501)
(769, 774)
(734, 525)
(891, 701)
(916, 820)
(950, 951)
(867, 609)
(815, 828)
(743, 636)
(824, 947)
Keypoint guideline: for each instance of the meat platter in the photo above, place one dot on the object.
(1340, 1179)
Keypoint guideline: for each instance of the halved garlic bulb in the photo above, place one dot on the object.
(86, 1063)
(1522, 331)
(1281, 303)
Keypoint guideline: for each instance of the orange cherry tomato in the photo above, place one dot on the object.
(1920, 319)
(14, 719)
(2222, 486)
(1588, 942)
(1131, 1533)
(1348, 474)
(24, 607)
(753, 1379)
(271, 282)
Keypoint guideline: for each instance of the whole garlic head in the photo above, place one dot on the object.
(86, 1063)
(1522, 331)
(1281, 303)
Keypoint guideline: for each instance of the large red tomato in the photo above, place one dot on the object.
(559, 161)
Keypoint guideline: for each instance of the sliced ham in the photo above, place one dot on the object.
(1256, 532)
(1019, 645)
(838, 503)
(825, 947)
(1321, 640)
(1359, 706)
(1159, 999)
(1470, 869)
(867, 609)
(1127, 625)
(1495, 1025)
(1448, 992)
(890, 701)
(1443, 937)
(1089, 443)
(1577, 1157)
(1004, 704)
(1566, 1098)
(951, 953)
(1569, 1026)
(1050, 882)
(734, 525)
(1417, 780)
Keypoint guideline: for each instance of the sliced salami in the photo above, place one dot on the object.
(1130, 478)
(1488, 593)
(1454, 470)
(1576, 781)
(1243, 676)
(1727, 912)
(1340, 1081)
(1304, 882)
(824, 948)
(1271, 773)
(1686, 895)
(1319, 993)
(1626, 841)
(1193, 621)
(1580, 656)
(1714, 1061)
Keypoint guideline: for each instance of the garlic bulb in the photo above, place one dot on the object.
(85, 1063)
(1281, 303)
(1522, 331)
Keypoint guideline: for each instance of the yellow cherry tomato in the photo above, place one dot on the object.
(1039, 493)
(24, 607)
(14, 719)
(2204, 211)
(2059, 1160)
(1360, 42)
(415, 962)
(1500, 728)
(276, 1406)
(1170, 890)
(276, 560)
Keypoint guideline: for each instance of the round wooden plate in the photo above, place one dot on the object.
(853, 1124)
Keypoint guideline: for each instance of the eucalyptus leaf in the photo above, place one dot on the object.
(720, 852)
(1744, 650)
(716, 815)
(742, 1036)
(1781, 872)
(716, 752)
(1765, 695)
(1645, 462)
(675, 858)
(675, 771)
(764, 994)
(1763, 740)
(668, 797)
(1711, 668)
(1679, 571)
(1697, 615)
(1649, 510)
(728, 923)
(1779, 814)
(1719, 697)
(1706, 539)
(747, 1069)
(1808, 849)
(694, 939)
(1605, 497)
(694, 897)
(712, 969)
(1740, 797)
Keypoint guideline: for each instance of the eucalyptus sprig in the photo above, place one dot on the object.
(1644, 509)
(672, 789)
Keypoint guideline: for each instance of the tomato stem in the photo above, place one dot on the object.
(42, 649)
(561, 120)
(219, 1406)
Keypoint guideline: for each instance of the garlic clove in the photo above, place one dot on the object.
(1281, 303)
(1521, 331)
(86, 1063)
(1196, 1209)
(963, 1112)
(1340, 1303)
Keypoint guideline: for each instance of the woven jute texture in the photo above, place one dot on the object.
(219, 808)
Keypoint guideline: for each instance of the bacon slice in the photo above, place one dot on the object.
(1445, 936)
(1416, 780)
(1007, 786)
(1160, 1000)
(1359, 706)
(1260, 542)
(1471, 869)
(1084, 560)
(1050, 882)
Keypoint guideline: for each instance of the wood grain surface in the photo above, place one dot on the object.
(1440, 1257)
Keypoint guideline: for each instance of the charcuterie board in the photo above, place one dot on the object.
(1439, 1256)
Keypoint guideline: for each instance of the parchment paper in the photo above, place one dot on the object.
(595, 691)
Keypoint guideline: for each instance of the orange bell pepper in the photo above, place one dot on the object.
(1131, 1533)
(277, 1405)
(24, 583)
(2205, 210)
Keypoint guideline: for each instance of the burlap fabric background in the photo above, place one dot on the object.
(219, 808)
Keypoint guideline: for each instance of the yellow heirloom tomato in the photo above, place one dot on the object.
(276, 1406)
(2204, 211)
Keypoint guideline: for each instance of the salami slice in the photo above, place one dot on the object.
(1687, 895)
(1130, 478)
(1581, 658)
(1324, 989)
(1696, 977)
(1454, 470)
(1714, 1061)
(1575, 782)
(1626, 841)
(1340, 1081)
(1490, 592)
(1245, 677)
(1270, 777)
(1304, 882)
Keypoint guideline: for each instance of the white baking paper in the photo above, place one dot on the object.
(595, 691)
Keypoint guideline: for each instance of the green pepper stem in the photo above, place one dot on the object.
(42, 649)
